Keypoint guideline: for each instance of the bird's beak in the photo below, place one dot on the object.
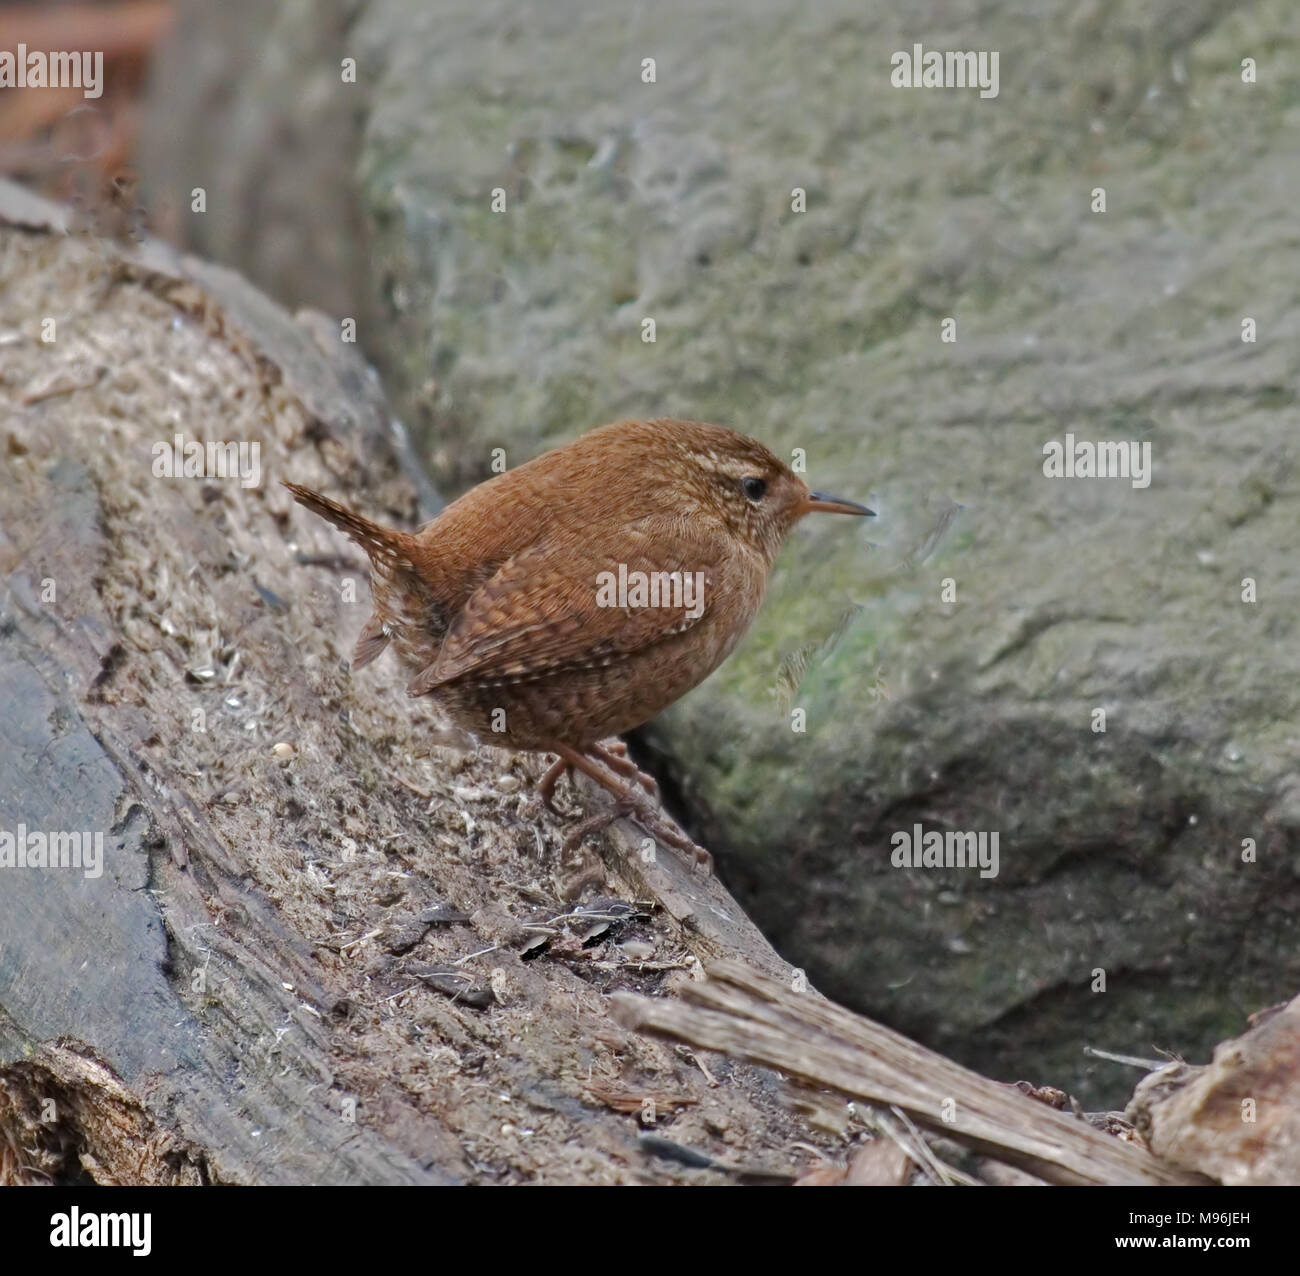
(822, 503)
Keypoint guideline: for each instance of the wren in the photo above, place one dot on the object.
(572, 598)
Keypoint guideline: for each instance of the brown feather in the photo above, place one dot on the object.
(537, 614)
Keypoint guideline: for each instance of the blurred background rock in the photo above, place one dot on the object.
(820, 330)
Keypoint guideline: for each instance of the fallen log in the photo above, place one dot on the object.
(752, 1016)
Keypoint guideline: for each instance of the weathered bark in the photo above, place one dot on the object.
(1237, 1118)
(761, 1019)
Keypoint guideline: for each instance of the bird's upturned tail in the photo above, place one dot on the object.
(389, 554)
(374, 538)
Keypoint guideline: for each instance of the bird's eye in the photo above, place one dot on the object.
(754, 488)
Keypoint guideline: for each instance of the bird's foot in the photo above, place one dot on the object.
(597, 823)
(662, 827)
(633, 795)
(614, 755)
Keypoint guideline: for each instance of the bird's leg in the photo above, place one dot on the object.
(614, 756)
(546, 785)
(631, 801)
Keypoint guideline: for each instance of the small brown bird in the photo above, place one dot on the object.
(572, 598)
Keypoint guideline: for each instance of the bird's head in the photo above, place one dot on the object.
(754, 492)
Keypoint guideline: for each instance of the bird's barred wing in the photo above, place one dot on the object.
(578, 605)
